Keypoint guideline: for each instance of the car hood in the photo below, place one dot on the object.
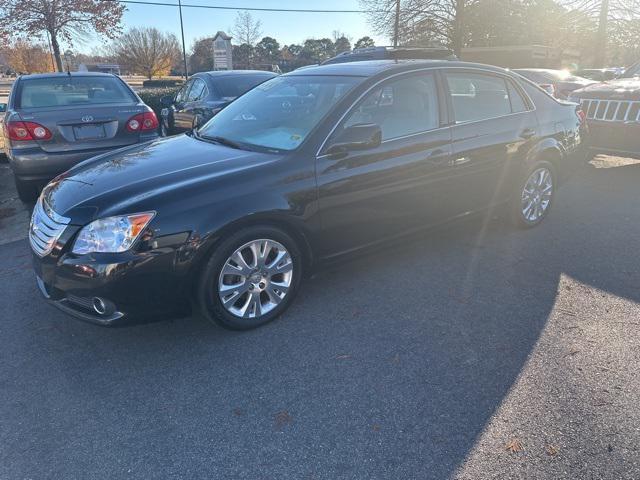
(131, 179)
(620, 89)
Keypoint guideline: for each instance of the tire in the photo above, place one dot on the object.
(164, 130)
(254, 302)
(529, 208)
(27, 191)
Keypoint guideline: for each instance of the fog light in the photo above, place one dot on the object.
(102, 306)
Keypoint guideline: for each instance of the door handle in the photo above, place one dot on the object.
(437, 156)
(527, 133)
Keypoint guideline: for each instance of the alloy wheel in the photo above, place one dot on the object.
(255, 278)
(537, 194)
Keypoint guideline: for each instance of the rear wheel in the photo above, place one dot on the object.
(534, 197)
(27, 191)
(250, 279)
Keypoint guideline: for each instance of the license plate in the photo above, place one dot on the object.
(88, 132)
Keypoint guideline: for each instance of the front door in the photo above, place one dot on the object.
(369, 195)
(186, 109)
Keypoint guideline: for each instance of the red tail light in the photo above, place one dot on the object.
(25, 131)
(581, 115)
(142, 122)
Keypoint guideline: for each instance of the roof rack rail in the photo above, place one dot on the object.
(393, 53)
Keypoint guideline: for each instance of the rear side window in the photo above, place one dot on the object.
(517, 102)
(400, 107)
(65, 91)
(229, 88)
(478, 96)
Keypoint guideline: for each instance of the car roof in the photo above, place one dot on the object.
(65, 74)
(231, 73)
(369, 68)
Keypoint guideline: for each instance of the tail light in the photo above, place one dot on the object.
(142, 122)
(581, 115)
(24, 131)
(549, 88)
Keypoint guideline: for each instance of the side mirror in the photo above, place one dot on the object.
(363, 136)
(3, 107)
(166, 101)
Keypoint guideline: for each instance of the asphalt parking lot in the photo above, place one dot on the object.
(476, 352)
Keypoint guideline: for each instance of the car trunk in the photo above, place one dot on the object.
(85, 128)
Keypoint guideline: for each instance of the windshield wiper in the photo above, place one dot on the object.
(222, 141)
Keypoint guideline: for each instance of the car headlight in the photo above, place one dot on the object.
(111, 234)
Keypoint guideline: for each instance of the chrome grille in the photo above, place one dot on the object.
(45, 228)
(611, 110)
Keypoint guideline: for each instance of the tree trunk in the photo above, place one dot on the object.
(458, 28)
(601, 42)
(56, 51)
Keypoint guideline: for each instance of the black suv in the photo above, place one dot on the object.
(301, 169)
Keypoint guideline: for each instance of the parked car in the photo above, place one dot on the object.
(54, 121)
(301, 170)
(204, 95)
(599, 74)
(558, 83)
(613, 114)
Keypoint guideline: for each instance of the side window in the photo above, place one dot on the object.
(478, 96)
(197, 90)
(181, 96)
(400, 107)
(517, 102)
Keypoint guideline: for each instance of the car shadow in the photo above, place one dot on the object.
(387, 366)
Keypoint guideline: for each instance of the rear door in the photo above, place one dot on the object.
(82, 113)
(493, 125)
(401, 185)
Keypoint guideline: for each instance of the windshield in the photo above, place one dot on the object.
(632, 71)
(71, 90)
(280, 113)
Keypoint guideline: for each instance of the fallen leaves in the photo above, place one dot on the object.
(282, 418)
(514, 446)
(552, 450)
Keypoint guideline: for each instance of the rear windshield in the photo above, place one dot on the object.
(66, 91)
(231, 87)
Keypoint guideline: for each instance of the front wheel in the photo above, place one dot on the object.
(164, 129)
(250, 279)
(534, 197)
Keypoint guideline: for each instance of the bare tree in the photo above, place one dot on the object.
(421, 22)
(611, 16)
(147, 50)
(246, 29)
(60, 19)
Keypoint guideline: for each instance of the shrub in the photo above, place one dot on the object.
(166, 83)
(152, 96)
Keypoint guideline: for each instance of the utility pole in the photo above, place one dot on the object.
(396, 26)
(601, 45)
(184, 50)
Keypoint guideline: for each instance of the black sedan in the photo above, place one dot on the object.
(558, 83)
(302, 169)
(204, 95)
(56, 120)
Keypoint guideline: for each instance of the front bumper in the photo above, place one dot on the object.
(138, 287)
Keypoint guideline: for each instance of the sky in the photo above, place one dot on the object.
(287, 28)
